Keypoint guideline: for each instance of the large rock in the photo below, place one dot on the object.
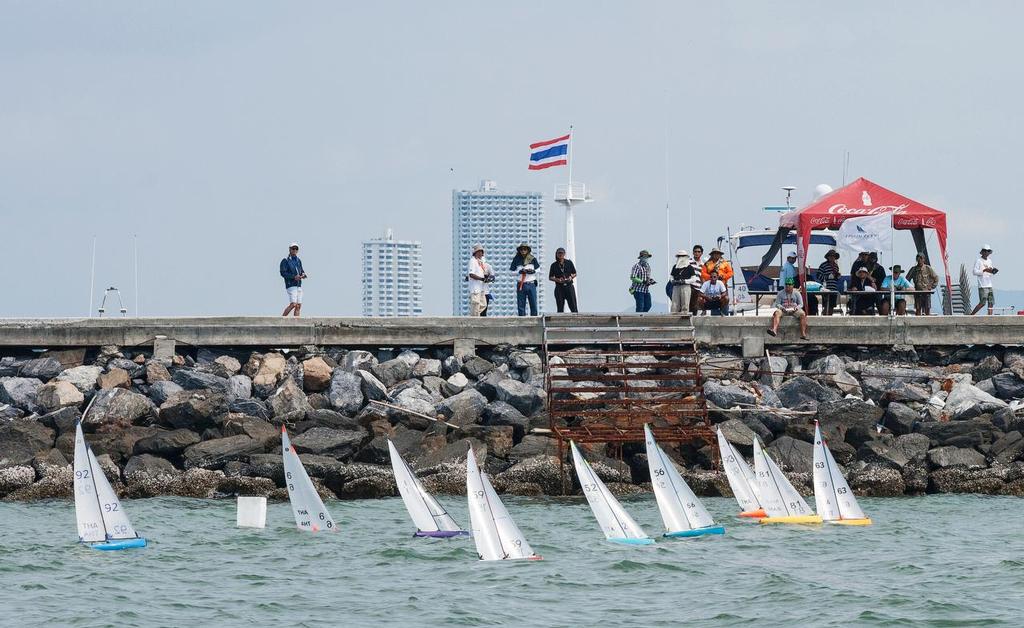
(464, 408)
(832, 370)
(900, 418)
(986, 368)
(522, 397)
(21, 392)
(488, 384)
(147, 466)
(525, 360)
(156, 372)
(62, 420)
(373, 389)
(455, 384)
(345, 391)
(942, 457)
(289, 401)
(166, 443)
(476, 367)
(969, 433)
(58, 394)
(239, 387)
(193, 409)
(966, 401)
(532, 446)
(358, 361)
(498, 438)
(876, 480)
(541, 471)
(728, 396)
(225, 366)
(963, 479)
(771, 370)
(44, 368)
(737, 432)
(251, 407)
(426, 366)
(82, 377)
(1008, 448)
(316, 374)
(117, 408)
(214, 454)
(20, 441)
(14, 478)
(392, 371)
(793, 454)
(341, 444)
(266, 371)
(802, 392)
(191, 379)
(501, 413)
(114, 378)
(1008, 386)
(162, 390)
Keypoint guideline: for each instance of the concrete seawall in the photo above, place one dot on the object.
(237, 331)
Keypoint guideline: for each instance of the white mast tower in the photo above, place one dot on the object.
(567, 194)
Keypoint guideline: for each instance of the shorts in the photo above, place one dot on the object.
(295, 294)
(798, 313)
(986, 294)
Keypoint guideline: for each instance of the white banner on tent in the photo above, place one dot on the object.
(870, 233)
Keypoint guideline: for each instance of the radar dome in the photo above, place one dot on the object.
(821, 190)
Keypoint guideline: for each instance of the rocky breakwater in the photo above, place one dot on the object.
(208, 424)
(938, 421)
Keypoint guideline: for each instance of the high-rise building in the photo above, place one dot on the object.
(392, 277)
(498, 221)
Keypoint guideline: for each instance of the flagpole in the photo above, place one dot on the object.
(570, 223)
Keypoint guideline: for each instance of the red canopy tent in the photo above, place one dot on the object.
(860, 198)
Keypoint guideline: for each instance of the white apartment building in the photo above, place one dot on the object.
(392, 277)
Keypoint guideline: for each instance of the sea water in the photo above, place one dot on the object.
(937, 560)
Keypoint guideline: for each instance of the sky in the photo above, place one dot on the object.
(213, 134)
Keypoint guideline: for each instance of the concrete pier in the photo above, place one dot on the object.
(746, 331)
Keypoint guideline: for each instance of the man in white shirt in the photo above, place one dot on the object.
(983, 270)
(478, 273)
(714, 295)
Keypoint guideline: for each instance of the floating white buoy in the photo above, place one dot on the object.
(252, 512)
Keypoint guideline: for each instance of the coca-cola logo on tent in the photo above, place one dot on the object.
(843, 209)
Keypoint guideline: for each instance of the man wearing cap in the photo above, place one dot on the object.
(291, 271)
(479, 274)
(862, 282)
(862, 260)
(562, 274)
(789, 270)
(716, 262)
(641, 282)
(924, 278)
(789, 303)
(828, 276)
(895, 281)
(525, 266)
(682, 277)
(714, 295)
(983, 270)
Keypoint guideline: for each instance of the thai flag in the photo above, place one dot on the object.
(550, 153)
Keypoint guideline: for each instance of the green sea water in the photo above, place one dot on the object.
(947, 560)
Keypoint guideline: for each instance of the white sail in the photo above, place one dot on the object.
(741, 477)
(679, 506)
(615, 522)
(778, 497)
(91, 528)
(309, 510)
(832, 494)
(496, 536)
(115, 519)
(426, 513)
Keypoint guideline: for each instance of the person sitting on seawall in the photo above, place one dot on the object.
(714, 295)
(923, 277)
(525, 266)
(899, 282)
(789, 303)
(640, 282)
(862, 282)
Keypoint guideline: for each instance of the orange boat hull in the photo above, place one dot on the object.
(754, 514)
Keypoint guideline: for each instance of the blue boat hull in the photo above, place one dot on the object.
(632, 541)
(120, 544)
(696, 532)
(440, 534)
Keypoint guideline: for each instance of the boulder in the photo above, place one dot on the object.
(114, 378)
(454, 453)
(156, 372)
(1006, 421)
(214, 454)
(257, 429)
(373, 389)
(412, 405)
(239, 387)
(345, 391)
(533, 445)
(82, 377)
(14, 478)
(162, 390)
(62, 420)
(451, 365)
(969, 433)
(192, 379)
(455, 384)
(498, 438)
(166, 443)
(289, 400)
(358, 361)
(802, 392)
(986, 368)
(728, 396)
(883, 452)
(20, 441)
(501, 413)
(877, 480)
(525, 360)
(488, 384)
(1008, 449)
(44, 368)
(316, 374)
(425, 366)
(250, 407)
(1008, 386)
(942, 457)
(913, 446)
(966, 401)
(193, 409)
(832, 370)
(147, 466)
(737, 432)
(266, 371)
(900, 418)
(117, 408)
(117, 444)
(793, 454)
(340, 444)
(21, 392)
(392, 371)
(771, 370)
(409, 356)
(225, 366)
(59, 394)
(464, 408)
(962, 479)
(541, 471)
(476, 367)
(522, 397)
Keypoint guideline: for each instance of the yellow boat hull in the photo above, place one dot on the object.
(851, 522)
(799, 519)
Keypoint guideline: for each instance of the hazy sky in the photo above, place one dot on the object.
(219, 132)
